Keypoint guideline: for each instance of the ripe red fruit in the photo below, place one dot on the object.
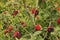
(38, 27)
(50, 28)
(5, 31)
(10, 28)
(35, 12)
(58, 20)
(58, 9)
(17, 34)
(15, 12)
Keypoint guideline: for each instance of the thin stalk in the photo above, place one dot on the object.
(24, 3)
(45, 35)
(37, 3)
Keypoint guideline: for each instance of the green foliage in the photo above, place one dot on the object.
(47, 13)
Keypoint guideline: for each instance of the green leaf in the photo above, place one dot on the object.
(37, 33)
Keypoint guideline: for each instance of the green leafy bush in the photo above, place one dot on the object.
(29, 19)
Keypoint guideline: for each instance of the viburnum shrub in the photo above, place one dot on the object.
(29, 19)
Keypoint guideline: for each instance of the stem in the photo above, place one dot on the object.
(45, 35)
(24, 3)
(32, 16)
(37, 3)
(51, 16)
(33, 19)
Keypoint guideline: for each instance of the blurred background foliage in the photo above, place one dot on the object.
(47, 11)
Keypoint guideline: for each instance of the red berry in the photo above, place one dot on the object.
(58, 20)
(15, 12)
(5, 31)
(38, 27)
(22, 23)
(17, 34)
(50, 29)
(35, 12)
(58, 9)
(10, 28)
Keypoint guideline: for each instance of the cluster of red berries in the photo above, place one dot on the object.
(15, 12)
(16, 33)
(39, 27)
(9, 29)
(36, 27)
(35, 12)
